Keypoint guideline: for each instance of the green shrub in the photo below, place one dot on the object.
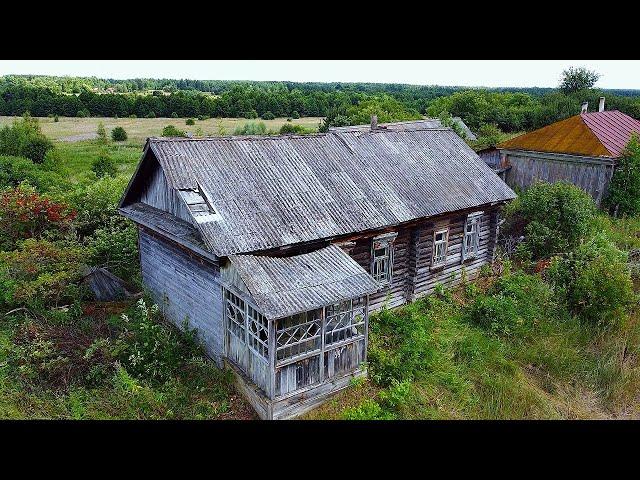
(56, 119)
(96, 204)
(368, 410)
(249, 114)
(515, 300)
(174, 115)
(118, 134)
(151, 114)
(24, 139)
(43, 273)
(552, 217)
(150, 350)
(623, 197)
(83, 113)
(114, 246)
(295, 114)
(190, 121)
(268, 116)
(594, 281)
(102, 133)
(251, 128)
(289, 128)
(202, 118)
(104, 165)
(15, 170)
(171, 131)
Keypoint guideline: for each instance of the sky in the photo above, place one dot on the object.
(472, 73)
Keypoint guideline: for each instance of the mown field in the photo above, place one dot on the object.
(71, 129)
(512, 344)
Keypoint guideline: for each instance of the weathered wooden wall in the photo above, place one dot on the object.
(413, 275)
(592, 176)
(184, 286)
(157, 193)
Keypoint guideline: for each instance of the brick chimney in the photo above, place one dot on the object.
(374, 122)
(601, 105)
(585, 106)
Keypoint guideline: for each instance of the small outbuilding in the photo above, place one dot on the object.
(581, 150)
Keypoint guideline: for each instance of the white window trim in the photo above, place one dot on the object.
(436, 232)
(476, 218)
(388, 239)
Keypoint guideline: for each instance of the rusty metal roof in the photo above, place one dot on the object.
(595, 134)
(283, 286)
(281, 190)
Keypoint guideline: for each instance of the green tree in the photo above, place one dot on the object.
(104, 165)
(553, 217)
(624, 190)
(172, 131)
(575, 79)
(118, 134)
(24, 138)
(102, 133)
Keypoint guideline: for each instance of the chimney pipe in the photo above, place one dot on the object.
(374, 122)
(601, 105)
(585, 106)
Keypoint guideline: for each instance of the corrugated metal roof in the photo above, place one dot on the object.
(408, 125)
(282, 190)
(283, 286)
(595, 134)
(613, 129)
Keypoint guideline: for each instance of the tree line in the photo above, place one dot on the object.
(510, 110)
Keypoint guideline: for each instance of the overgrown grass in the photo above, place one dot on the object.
(77, 157)
(436, 359)
(97, 365)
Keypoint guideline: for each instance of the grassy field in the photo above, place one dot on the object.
(69, 129)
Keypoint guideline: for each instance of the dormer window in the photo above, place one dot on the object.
(382, 258)
(199, 205)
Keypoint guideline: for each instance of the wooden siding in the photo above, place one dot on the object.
(413, 275)
(592, 177)
(157, 193)
(184, 286)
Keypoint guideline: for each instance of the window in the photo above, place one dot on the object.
(235, 313)
(298, 334)
(344, 320)
(471, 240)
(258, 332)
(382, 258)
(440, 241)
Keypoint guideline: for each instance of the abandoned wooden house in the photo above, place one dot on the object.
(277, 248)
(581, 150)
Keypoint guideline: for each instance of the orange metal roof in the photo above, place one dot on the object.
(595, 134)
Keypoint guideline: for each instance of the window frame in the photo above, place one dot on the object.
(475, 220)
(385, 241)
(445, 242)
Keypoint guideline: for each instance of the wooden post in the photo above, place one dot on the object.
(272, 357)
(322, 342)
(247, 352)
(366, 326)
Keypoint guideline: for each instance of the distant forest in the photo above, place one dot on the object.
(509, 109)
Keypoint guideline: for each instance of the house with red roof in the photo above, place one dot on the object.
(582, 149)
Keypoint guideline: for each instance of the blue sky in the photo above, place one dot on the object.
(489, 73)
